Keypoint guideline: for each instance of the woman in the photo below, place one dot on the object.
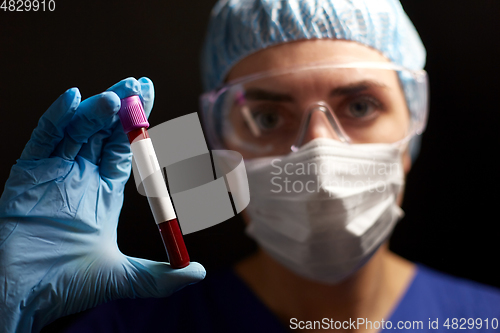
(324, 100)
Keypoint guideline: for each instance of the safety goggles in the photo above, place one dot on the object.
(276, 112)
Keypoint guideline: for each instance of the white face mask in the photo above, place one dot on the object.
(324, 210)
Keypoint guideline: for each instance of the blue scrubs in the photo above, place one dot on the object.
(223, 303)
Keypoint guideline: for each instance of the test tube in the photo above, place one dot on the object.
(135, 123)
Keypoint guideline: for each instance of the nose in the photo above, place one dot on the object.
(318, 127)
(319, 122)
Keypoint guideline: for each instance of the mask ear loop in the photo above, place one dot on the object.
(332, 119)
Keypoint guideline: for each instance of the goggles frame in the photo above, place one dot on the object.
(418, 112)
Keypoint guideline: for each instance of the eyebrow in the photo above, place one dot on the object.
(356, 88)
(350, 89)
(266, 95)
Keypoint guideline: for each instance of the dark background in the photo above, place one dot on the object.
(451, 202)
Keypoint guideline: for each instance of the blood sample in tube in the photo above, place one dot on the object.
(135, 124)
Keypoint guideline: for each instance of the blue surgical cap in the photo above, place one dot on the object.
(238, 28)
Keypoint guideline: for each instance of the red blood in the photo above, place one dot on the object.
(174, 243)
(138, 134)
(170, 231)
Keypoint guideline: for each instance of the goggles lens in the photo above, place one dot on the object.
(275, 113)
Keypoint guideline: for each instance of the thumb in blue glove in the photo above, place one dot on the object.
(59, 214)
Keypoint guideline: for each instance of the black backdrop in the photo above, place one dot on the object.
(451, 221)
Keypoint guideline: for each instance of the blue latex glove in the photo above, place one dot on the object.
(59, 213)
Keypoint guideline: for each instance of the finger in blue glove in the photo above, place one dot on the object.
(59, 213)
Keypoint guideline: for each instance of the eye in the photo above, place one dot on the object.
(359, 109)
(267, 120)
(363, 108)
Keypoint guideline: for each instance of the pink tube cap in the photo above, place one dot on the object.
(132, 114)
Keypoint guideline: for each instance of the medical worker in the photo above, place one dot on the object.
(325, 100)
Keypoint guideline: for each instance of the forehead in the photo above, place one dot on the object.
(302, 52)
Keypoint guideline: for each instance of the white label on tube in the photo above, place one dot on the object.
(154, 185)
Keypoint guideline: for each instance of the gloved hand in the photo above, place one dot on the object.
(59, 213)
